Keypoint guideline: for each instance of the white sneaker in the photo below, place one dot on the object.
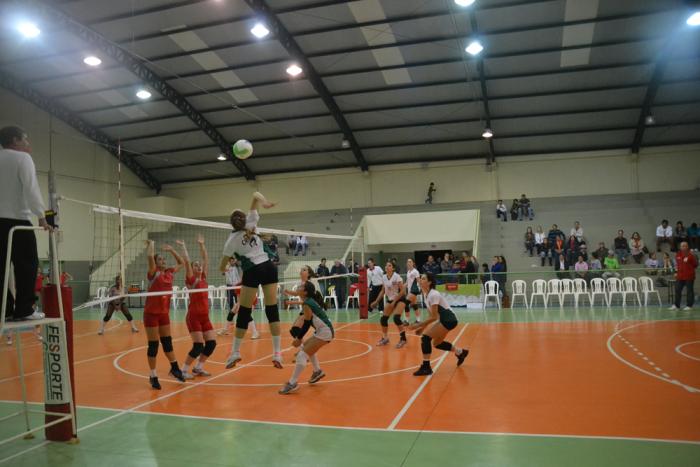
(134, 329)
(187, 375)
(672, 308)
(100, 332)
(35, 316)
(232, 360)
(688, 308)
(256, 336)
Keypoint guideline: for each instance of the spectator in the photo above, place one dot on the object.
(501, 211)
(514, 209)
(622, 248)
(497, 272)
(571, 249)
(652, 264)
(472, 269)
(485, 274)
(555, 233)
(558, 248)
(561, 265)
(445, 267)
(502, 260)
(340, 283)
(524, 208)
(302, 245)
(271, 242)
(602, 251)
(637, 248)
(395, 263)
(323, 271)
(20, 198)
(664, 234)
(546, 251)
(611, 265)
(583, 250)
(680, 234)
(233, 277)
(577, 231)
(431, 190)
(694, 236)
(581, 268)
(431, 266)
(375, 283)
(539, 238)
(666, 269)
(291, 243)
(596, 265)
(686, 263)
(529, 240)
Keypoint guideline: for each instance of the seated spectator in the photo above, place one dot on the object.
(694, 236)
(572, 249)
(602, 251)
(664, 234)
(611, 265)
(666, 270)
(524, 208)
(514, 209)
(431, 266)
(446, 264)
(558, 248)
(529, 240)
(561, 265)
(637, 248)
(577, 231)
(291, 243)
(622, 248)
(539, 238)
(596, 266)
(302, 245)
(546, 252)
(581, 268)
(680, 234)
(555, 233)
(652, 264)
(501, 211)
(583, 250)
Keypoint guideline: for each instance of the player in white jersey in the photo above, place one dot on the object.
(412, 290)
(395, 291)
(374, 282)
(440, 322)
(258, 270)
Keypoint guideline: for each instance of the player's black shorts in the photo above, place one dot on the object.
(447, 318)
(260, 274)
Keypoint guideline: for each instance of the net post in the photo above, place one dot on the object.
(362, 284)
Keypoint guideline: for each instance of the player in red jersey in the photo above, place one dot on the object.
(156, 317)
(201, 329)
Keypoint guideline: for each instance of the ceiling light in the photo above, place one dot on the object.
(222, 157)
(260, 31)
(143, 94)
(92, 60)
(345, 144)
(474, 48)
(650, 120)
(294, 70)
(694, 19)
(464, 2)
(28, 30)
(487, 133)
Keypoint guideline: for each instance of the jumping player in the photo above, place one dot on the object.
(117, 304)
(197, 319)
(156, 311)
(440, 322)
(395, 291)
(258, 270)
(314, 315)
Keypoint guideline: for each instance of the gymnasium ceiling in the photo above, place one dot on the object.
(383, 81)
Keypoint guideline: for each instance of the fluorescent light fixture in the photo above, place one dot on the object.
(222, 157)
(487, 133)
(650, 120)
(143, 94)
(92, 60)
(28, 30)
(345, 144)
(260, 31)
(464, 2)
(294, 70)
(694, 19)
(474, 48)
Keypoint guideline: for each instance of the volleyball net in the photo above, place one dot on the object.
(119, 238)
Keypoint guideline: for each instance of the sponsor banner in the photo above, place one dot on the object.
(57, 384)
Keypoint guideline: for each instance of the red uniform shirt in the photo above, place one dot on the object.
(685, 266)
(160, 281)
(199, 301)
(39, 282)
(64, 278)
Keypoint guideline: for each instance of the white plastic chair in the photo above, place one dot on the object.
(567, 288)
(554, 290)
(614, 287)
(174, 301)
(354, 297)
(598, 287)
(294, 289)
(647, 286)
(101, 294)
(330, 295)
(180, 295)
(222, 296)
(539, 289)
(629, 286)
(581, 290)
(261, 298)
(519, 290)
(211, 294)
(491, 291)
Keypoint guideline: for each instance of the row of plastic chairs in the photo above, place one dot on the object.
(577, 289)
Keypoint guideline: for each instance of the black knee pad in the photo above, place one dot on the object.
(414, 306)
(384, 320)
(425, 344)
(229, 316)
(272, 312)
(444, 345)
(397, 320)
(167, 342)
(106, 318)
(209, 347)
(197, 348)
(244, 317)
(152, 348)
(295, 331)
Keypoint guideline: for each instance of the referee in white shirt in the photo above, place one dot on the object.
(375, 282)
(20, 198)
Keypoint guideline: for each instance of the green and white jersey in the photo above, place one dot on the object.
(320, 319)
(249, 251)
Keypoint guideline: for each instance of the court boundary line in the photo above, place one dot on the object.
(425, 382)
(678, 350)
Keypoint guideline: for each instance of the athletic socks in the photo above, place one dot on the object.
(277, 345)
(154, 373)
(253, 328)
(185, 367)
(298, 368)
(315, 363)
(236, 346)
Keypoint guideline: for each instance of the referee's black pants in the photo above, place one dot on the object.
(25, 260)
(373, 294)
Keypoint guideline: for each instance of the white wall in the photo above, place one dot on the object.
(83, 171)
(674, 168)
(415, 227)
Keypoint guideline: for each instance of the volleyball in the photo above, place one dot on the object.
(242, 149)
